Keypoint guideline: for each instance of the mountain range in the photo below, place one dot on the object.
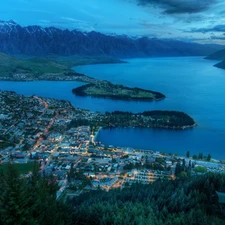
(45, 41)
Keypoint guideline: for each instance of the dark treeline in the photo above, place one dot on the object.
(160, 118)
(185, 201)
(181, 202)
(81, 90)
(30, 201)
(177, 118)
(79, 122)
(156, 119)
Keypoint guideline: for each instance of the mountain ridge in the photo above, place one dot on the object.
(42, 41)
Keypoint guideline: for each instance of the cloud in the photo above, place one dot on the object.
(217, 28)
(179, 6)
(213, 37)
(222, 12)
(45, 21)
(68, 23)
(33, 10)
(75, 23)
(89, 14)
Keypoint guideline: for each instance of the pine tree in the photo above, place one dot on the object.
(188, 154)
(208, 157)
(15, 199)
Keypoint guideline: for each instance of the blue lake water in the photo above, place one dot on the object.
(191, 84)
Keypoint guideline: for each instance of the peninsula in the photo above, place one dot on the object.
(219, 55)
(114, 91)
(148, 119)
(220, 65)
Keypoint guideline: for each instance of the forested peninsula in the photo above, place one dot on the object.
(114, 91)
(154, 119)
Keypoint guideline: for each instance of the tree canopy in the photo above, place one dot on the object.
(184, 201)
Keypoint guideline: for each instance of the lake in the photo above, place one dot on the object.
(191, 85)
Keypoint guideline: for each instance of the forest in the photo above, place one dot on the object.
(155, 119)
(30, 200)
(184, 201)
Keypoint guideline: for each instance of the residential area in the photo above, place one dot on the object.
(35, 129)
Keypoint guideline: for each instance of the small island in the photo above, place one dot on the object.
(106, 89)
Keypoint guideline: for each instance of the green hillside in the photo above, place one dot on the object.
(185, 201)
(115, 91)
(35, 66)
(50, 68)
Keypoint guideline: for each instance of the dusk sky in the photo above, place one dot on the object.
(195, 20)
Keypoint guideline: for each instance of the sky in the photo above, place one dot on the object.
(201, 21)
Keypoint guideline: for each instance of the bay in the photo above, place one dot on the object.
(191, 85)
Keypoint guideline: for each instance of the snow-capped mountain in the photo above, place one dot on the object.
(36, 40)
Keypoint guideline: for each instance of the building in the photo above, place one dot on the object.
(147, 176)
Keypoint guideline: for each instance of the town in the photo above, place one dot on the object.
(62, 140)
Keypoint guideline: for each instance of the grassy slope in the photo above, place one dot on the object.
(50, 66)
(36, 66)
(109, 90)
(117, 90)
(79, 60)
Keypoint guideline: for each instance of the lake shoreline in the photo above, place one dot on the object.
(191, 85)
(156, 127)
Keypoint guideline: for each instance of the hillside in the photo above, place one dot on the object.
(40, 68)
(221, 65)
(219, 55)
(36, 40)
(190, 201)
(35, 66)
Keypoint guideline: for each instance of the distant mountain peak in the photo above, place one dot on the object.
(43, 41)
(10, 22)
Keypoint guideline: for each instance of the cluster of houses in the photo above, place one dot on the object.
(34, 128)
(34, 124)
(148, 176)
